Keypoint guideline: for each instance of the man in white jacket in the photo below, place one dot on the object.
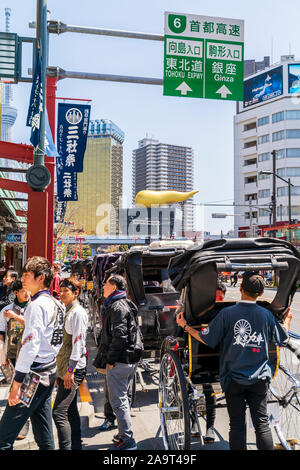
(41, 341)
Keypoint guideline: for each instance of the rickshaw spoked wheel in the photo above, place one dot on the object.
(173, 403)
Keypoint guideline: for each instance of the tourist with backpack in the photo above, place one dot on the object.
(41, 341)
(120, 349)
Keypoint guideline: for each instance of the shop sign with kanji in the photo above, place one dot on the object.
(203, 57)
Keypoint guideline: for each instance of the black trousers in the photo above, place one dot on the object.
(39, 412)
(66, 415)
(255, 396)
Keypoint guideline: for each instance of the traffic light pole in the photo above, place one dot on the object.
(274, 187)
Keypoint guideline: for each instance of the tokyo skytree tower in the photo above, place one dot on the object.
(9, 113)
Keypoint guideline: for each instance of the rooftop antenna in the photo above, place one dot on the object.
(7, 19)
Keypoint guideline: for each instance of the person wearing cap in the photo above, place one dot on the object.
(243, 332)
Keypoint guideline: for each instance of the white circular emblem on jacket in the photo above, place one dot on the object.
(205, 331)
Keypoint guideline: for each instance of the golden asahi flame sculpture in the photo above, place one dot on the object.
(150, 198)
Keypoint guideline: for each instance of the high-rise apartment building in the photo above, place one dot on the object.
(267, 121)
(100, 185)
(163, 167)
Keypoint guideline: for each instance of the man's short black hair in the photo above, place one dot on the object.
(17, 285)
(118, 280)
(221, 286)
(12, 273)
(71, 283)
(39, 266)
(253, 283)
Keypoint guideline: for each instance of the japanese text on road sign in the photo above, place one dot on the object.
(203, 57)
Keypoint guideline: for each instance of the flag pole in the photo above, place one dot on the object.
(41, 36)
(38, 176)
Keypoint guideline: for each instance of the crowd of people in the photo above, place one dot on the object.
(43, 332)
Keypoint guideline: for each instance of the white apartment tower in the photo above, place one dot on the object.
(267, 120)
(163, 167)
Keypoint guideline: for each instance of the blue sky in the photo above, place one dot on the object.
(271, 28)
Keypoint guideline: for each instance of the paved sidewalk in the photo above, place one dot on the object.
(85, 406)
(145, 415)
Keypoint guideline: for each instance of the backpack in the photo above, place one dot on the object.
(136, 334)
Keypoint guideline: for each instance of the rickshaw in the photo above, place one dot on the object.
(100, 266)
(149, 287)
(82, 270)
(186, 364)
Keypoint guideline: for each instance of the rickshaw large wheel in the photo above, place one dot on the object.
(173, 403)
(285, 388)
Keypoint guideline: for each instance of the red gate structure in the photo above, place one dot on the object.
(40, 214)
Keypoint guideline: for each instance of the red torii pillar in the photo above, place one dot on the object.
(40, 214)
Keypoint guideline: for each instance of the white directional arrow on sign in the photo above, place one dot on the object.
(224, 91)
(183, 88)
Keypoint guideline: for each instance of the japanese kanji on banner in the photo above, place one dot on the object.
(66, 182)
(35, 109)
(59, 210)
(72, 131)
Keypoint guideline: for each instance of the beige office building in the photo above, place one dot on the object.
(100, 186)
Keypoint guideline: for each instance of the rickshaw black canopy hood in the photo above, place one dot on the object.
(197, 269)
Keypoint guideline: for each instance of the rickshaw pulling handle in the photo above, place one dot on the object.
(228, 265)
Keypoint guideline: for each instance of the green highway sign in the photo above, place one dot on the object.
(8, 55)
(203, 57)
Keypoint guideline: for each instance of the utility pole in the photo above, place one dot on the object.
(250, 217)
(41, 36)
(38, 175)
(274, 187)
(290, 208)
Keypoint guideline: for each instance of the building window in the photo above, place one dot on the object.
(263, 177)
(262, 121)
(293, 114)
(263, 212)
(280, 172)
(295, 210)
(293, 133)
(250, 179)
(248, 127)
(263, 157)
(250, 144)
(292, 153)
(277, 117)
(262, 139)
(277, 136)
(251, 161)
(283, 191)
(280, 154)
(293, 171)
(263, 193)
